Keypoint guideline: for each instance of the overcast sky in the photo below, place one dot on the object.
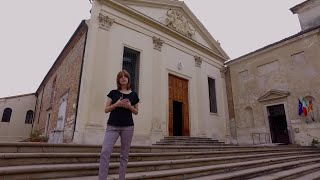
(34, 32)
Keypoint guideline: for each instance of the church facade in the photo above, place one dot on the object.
(175, 66)
(275, 89)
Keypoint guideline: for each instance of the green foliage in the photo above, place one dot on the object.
(315, 142)
(36, 136)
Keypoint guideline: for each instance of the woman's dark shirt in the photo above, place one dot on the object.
(121, 116)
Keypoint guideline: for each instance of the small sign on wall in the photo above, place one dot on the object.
(179, 66)
(295, 121)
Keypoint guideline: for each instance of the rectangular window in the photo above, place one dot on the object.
(131, 63)
(47, 123)
(212, 95)
(53, 90)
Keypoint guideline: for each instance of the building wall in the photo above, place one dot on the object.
(310, 18)
(309, 15)
(103, 60)
(16, 129)
(66, 71)
(293, 66)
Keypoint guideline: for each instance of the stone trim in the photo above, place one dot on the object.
(198, 61)
(157, 43)
(105, 22)
(216, 50)
(273, 94)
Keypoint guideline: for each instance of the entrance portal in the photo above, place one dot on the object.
(177, 118)
(178, 106)
(278, 124)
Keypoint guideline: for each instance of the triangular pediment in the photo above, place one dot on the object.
(177, 16)
(274, 94)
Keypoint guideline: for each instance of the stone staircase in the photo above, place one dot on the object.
(195, 158)
(188, 141)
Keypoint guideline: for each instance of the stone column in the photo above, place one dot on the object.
(201, 119)
(229, 123)
(95, 126)
(157, 99)
(90, 120)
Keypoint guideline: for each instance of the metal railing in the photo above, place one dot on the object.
(260, 138)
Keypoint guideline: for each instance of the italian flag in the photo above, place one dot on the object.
(304, 106)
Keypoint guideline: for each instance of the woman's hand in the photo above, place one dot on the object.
(119, 103)
(126, 103)
(110, 107)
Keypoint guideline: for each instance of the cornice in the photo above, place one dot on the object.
(273, 94)
(273, 46)
(304, 6)
(116, 4)
(152, 3)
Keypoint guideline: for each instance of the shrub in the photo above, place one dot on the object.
(36, 136)
(315, 142)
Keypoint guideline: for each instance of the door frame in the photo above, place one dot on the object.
(187, 105)
(63, 99)
(266, 119)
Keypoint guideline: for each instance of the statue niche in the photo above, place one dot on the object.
(178, 22)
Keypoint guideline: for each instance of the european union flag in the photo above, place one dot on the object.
(300, 107)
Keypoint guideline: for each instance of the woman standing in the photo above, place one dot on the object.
(121, 103)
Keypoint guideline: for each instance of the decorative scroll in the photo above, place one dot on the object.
(105, 22)
(198, 61)
(157, 43)
(178, 22)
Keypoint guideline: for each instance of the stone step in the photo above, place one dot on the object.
(141, 170)
(203, 172)
(190, 143)
(291, 173)
(195, 141)
(314, 176)
(69, 148)
(186, 137)
(15, 159)
(258, 172)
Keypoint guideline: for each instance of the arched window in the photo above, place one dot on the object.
(6, 115)
(29, 117)
(249, 117)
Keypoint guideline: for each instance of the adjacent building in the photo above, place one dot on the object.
(17, 114)
(275, 89)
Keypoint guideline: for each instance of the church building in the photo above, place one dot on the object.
(175, 64)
